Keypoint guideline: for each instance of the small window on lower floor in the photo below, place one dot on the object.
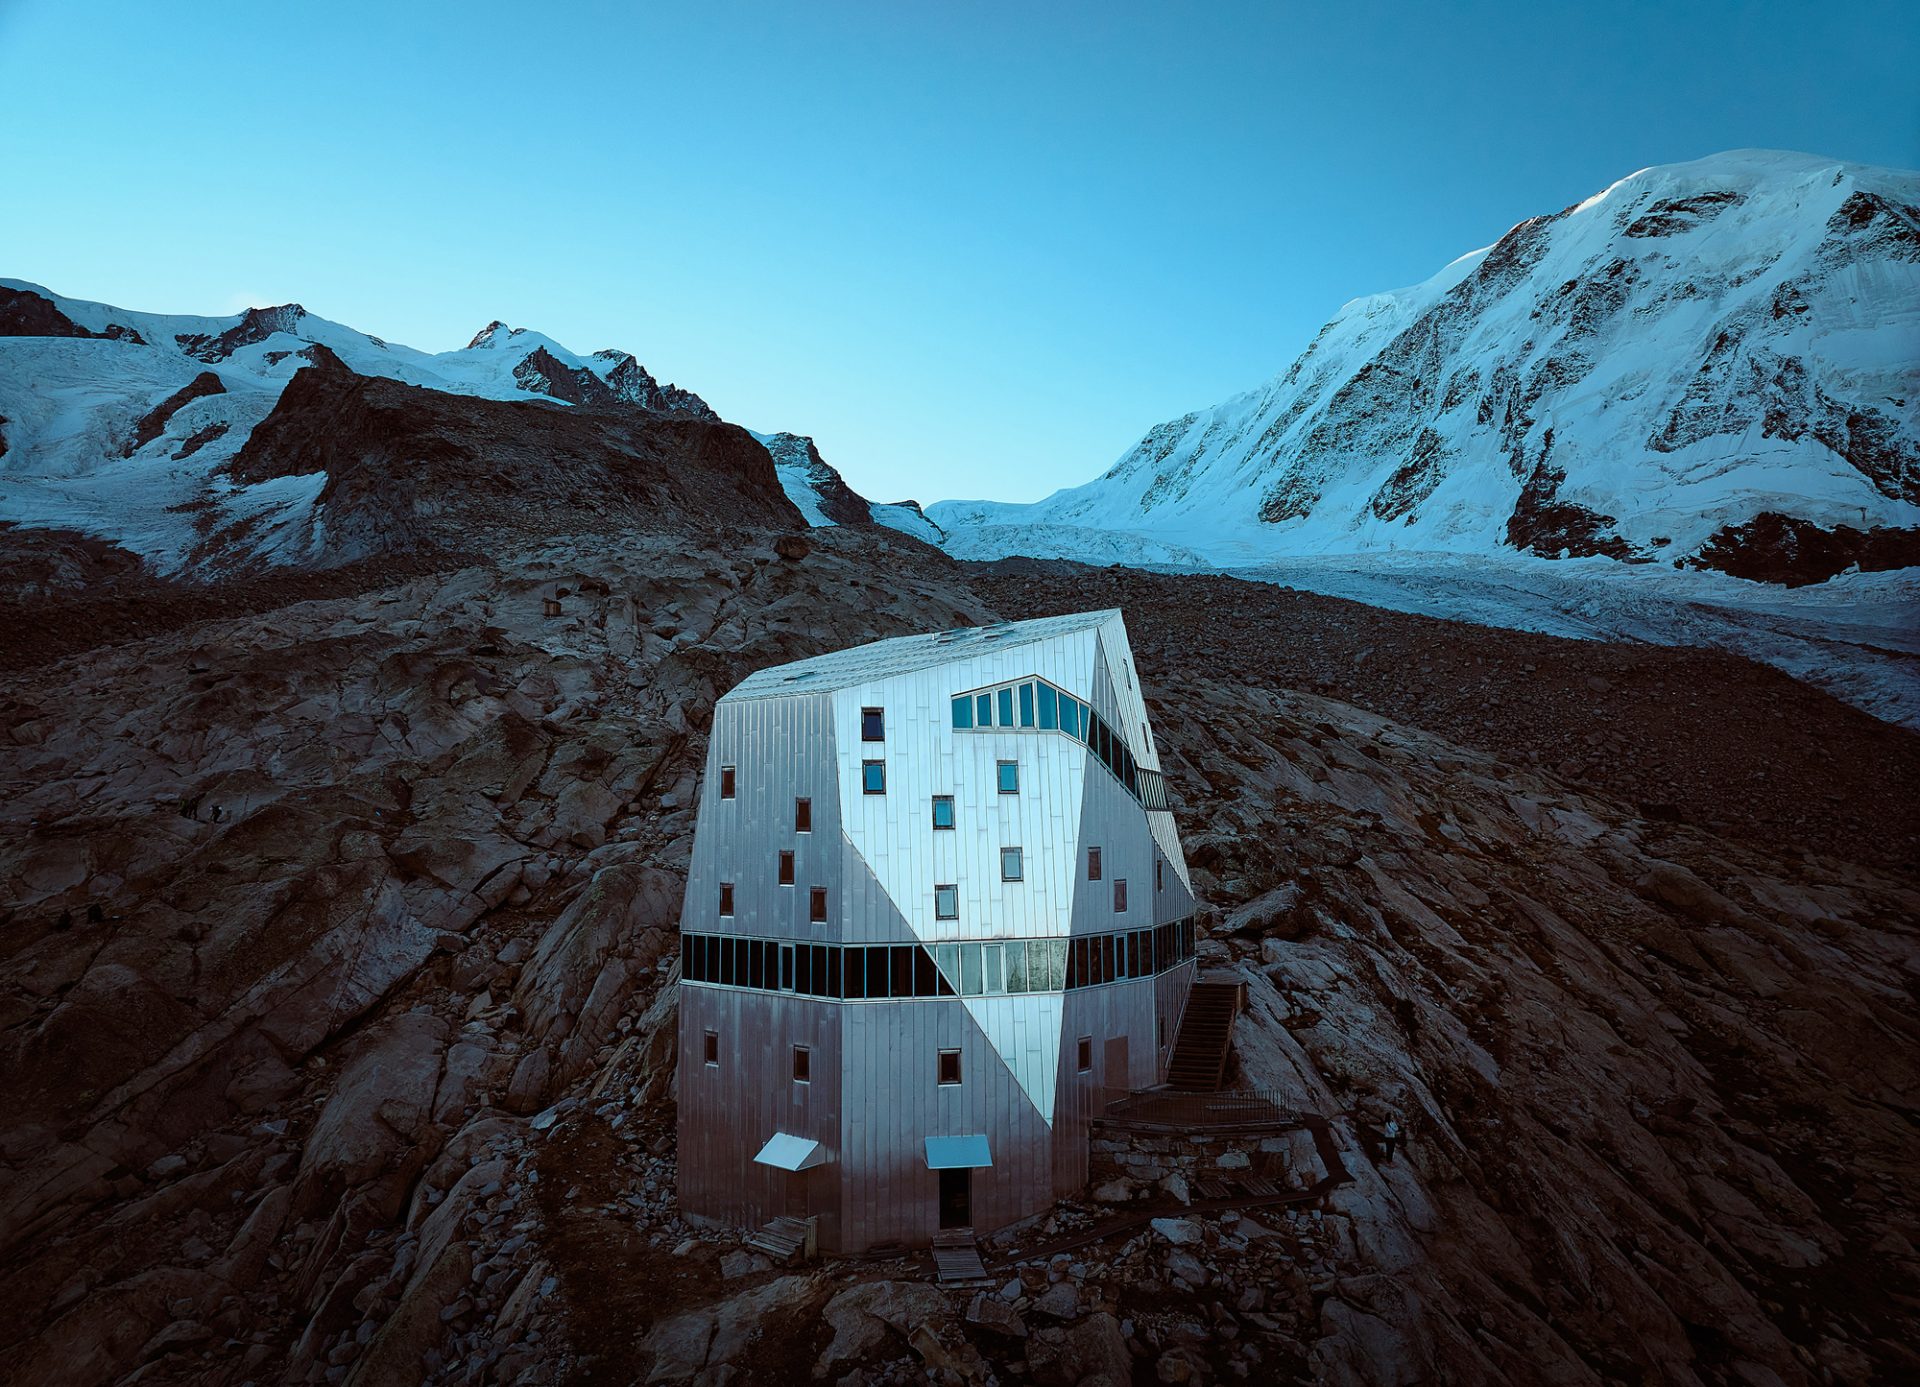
(949, 1066)
(710, 1052)
(803, 816)
(946, 902)
(1093, 864)
(1119, 895)
(786, 869)
(817, 904)
(943, 811)
(873, 777)
(802, 1065)
(726, 782)
(726, 898)
(1163, 1032)
(1083, 1054)
(1159, 875)
(1012, 868)
(1009, 775)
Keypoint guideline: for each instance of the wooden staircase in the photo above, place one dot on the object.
(786, 1240)
(1199, 1063)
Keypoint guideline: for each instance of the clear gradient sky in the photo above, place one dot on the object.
(974, 249)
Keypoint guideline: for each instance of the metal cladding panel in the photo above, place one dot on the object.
(1113, 821)
(781, 750)
(727, 1111)
(1100, 1014)
(925, 756)
(887, 1191)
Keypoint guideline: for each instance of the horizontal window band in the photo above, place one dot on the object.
(974, 968)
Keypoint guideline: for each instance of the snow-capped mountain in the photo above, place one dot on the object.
(824, 498)
(125, 425)
(1704, 361)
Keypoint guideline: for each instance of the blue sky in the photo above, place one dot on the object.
(974, 249)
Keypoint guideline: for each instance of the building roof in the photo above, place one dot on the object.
(904, 654)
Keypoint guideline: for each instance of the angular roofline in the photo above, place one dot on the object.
(883, 659)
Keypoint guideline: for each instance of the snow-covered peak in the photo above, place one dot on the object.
(1644, 375)
(493, 334)
(117, 423)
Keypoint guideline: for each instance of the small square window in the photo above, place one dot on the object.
(1009, 777)
(817, 904)
(803, 816)
(1119, 895)
(786, 869)
(726, 898)
(802, 1065)
(873, 725)
(1011, 864)
(873, 777)
(710, 1051)
(726, 782)
(943, 811)
(949, 1068)
(946, 902)
(1093, 864)
(1083, 1054)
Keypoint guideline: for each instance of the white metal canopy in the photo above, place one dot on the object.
(958, 1153)
(789, 1152)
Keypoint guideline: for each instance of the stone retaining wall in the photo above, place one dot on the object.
(1128, 1164)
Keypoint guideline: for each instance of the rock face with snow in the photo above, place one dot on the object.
(1640, 376)
(126, 425)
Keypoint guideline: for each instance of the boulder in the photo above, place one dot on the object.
(1182, 1232)
(863, 1317)
(378, 1120)
(996, 1316)
(679, 1345)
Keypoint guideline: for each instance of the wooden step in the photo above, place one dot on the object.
(956, 1257)
(784, 1239)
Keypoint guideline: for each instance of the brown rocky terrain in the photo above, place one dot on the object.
(338, 1020)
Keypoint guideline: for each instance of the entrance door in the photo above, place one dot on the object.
(797, 1194)
(956, 1199)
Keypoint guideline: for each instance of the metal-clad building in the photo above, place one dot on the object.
(937, 913)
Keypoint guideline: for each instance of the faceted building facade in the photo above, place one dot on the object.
(937, 916)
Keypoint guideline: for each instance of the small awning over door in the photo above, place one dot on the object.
(957, 1153)
(789, 1152)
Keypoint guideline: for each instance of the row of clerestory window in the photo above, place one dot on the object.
(1035, 705)
(874, 972)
